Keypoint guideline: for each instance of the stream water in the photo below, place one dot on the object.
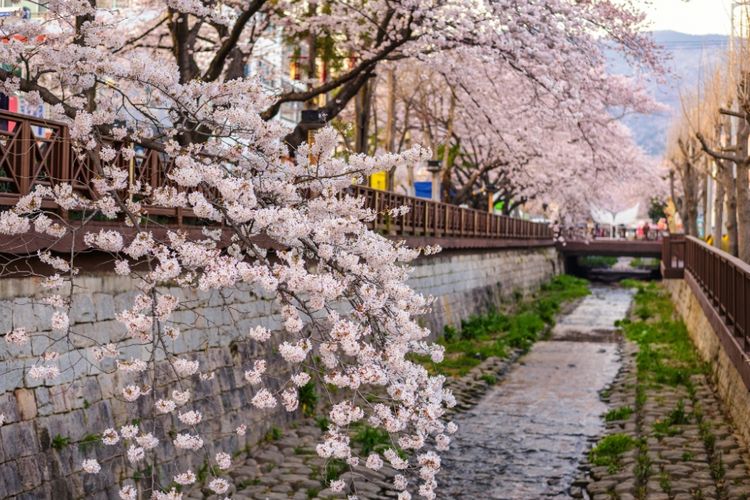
(526, 437)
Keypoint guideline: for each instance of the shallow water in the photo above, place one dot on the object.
(525, 438)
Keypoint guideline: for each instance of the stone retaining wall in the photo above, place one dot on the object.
(467, 283)
(48, 426)
(731, 389)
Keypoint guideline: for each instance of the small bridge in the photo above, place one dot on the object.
(573, 250)
(612, 247)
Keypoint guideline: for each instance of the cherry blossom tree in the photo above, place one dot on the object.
(493, 128)
(168, 76)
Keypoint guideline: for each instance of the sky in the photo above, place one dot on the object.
(698, 17)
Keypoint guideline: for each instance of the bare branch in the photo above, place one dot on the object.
(717, 154)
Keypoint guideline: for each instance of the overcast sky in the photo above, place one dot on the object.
(694, 16)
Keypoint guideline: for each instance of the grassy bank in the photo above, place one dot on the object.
(665, 366)
(597, 261)
(497, 333)
(666, 354)
(644, 263)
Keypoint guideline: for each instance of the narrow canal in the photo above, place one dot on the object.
(526, 437)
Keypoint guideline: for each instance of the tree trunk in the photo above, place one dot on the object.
(732, 220)
(743, 193)
(743, 211)
(390, 122)
(726, 179)
(689, 205)
(445, 181)
(719, 196)
(362, 111)
(703, 227)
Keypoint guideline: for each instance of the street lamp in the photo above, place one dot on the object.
(434, 167)
(310, 120)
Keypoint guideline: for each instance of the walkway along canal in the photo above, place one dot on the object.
(527, 436)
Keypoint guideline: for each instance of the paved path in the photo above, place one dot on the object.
(525, 439)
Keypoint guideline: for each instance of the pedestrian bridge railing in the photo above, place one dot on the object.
(673, 256)
(721, 283)
(433, 219)
(35, 151)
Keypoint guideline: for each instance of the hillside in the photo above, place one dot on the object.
(691, 58)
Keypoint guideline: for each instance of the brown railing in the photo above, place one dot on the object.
(36, 151)
(725, 280)
(673, 256)
(437, 220)
(721, 284)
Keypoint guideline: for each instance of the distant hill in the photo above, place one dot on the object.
(692, 58)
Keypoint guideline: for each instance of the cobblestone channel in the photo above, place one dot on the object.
(684, 445)
(526, 437)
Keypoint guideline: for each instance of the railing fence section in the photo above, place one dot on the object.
(434, 219)
(725, 280)
(35, 151)
(673, 256)
(721, 284)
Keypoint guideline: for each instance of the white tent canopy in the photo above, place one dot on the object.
(626, 217)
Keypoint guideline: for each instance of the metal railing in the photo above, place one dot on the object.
(721, 284)
(441, 220)
(725, 281)
(673, 256)
(35, 151)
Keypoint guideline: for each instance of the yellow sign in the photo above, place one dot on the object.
(379, 180)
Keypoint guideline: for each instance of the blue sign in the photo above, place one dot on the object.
(423, 189)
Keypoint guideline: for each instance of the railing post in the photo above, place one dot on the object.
(66, 170)
(435, 217)
(745, 320)
(375, 202)
(23, 152)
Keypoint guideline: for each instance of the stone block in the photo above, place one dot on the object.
(19, 439)
(30, 470)
(9, 408)
(24, 317)
(43, 315)
(41, 342)
(104, 306)
(26, 403)
(215, 316)
(10, 480)
(13, 374)
(71, 424)
(124, 300)
(82, 309)
(15, 351)
(57, 398)
(6, 316)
